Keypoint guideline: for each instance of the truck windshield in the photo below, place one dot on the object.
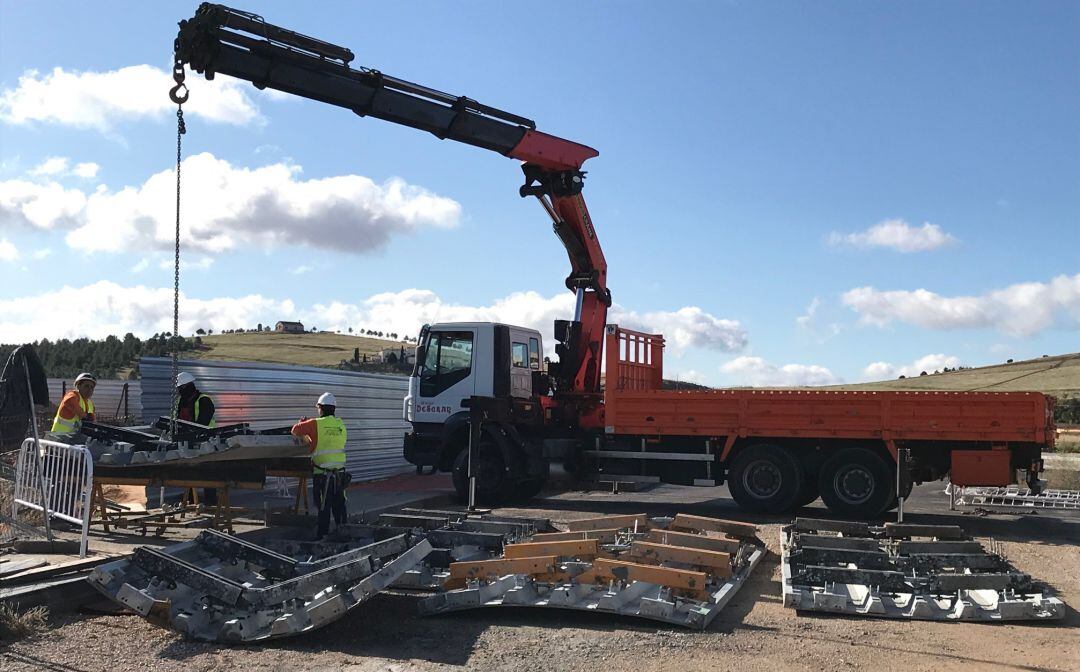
(448, 360)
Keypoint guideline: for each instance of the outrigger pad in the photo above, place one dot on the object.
(226, 589)
(924, 572)
(681, 571)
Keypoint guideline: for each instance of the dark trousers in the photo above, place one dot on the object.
(329, 497)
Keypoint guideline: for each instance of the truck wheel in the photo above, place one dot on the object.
(765, 478)
(526, 490)
(492, 484)
(809, 490)
(858, 483)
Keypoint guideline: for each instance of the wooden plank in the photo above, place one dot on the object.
(609, 522)
(685, 521)
(850, 528)
(603, 536)
(609, 570)
(16, 566)
(719, 564)
(482, 569)
(48, 571)
(689, 540)
(580, 548)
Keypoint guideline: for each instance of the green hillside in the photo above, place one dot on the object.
(319, 349)
(1058, 375)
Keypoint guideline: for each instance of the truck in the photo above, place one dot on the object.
(599, 406)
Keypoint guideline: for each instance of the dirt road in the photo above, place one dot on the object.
(754, 633)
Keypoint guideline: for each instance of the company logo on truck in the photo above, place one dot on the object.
(432, 408)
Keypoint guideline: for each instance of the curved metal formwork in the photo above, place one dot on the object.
(682, 571)
(222, 588)
(918, 572)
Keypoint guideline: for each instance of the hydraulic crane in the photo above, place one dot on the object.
(222, 40)
(776, 449)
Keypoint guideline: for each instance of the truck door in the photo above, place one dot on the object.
(446, 375)
(521, 359)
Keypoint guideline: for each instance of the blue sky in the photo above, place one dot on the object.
(903, 177)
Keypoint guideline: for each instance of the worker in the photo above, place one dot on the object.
(194, 406)
(325, 437)
(76, 406)
(191, 404)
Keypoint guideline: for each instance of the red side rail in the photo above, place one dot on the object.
(634, 362)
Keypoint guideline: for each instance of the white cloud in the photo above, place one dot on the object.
(804, 321)
(301, 269)
(687, 376)
(43, 206)
(101, 100)
(1023, 309)
(86, 170)
(105, 308)
(928, 363)
(757, 372)
(120, 309)
(141, 265)
(226, 208)
(8, 251)
(688, 327)
(43, 253)
(54, 165)
(200, 264)
(898, 235)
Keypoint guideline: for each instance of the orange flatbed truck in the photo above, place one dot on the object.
(485, 384)
(780, 449)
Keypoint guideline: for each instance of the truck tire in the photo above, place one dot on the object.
(765, 478)
(493, 486)
(809, 491)
(526, 490)
(857, 483)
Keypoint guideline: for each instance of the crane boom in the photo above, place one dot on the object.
(220, 39)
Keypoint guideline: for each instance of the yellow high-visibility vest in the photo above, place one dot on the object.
(330, 446)
(176, 409)
(73, 425)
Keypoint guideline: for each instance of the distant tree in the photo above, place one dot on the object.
(902, 376)
(350, 330)
(200, 331)
(356, 355)
(923, 373)
(209, 332)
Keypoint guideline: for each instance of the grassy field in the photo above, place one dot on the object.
(325, 350)
(1058, 375)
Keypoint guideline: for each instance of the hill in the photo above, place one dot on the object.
(1058, 375)
(319, 349)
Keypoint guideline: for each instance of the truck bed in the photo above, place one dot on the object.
(958, 416)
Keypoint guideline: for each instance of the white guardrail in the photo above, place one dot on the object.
(56, 479)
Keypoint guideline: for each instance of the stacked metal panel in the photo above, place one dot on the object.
(922, 572)
(274, 395)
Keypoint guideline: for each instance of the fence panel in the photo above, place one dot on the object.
(67, 474)
(274, 395)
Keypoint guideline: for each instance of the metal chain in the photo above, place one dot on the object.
(181, 129)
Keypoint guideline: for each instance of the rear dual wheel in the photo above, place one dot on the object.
(766, 478)
(493, 482)
(857, 483)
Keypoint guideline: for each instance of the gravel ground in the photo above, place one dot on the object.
(754, 633)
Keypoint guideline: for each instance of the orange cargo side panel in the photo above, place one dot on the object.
(981, 467)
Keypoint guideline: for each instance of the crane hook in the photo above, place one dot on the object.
(178, 77)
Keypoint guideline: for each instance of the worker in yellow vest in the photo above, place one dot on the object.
(191, 404)
(76, 406)
(325, 436)
(194, 406)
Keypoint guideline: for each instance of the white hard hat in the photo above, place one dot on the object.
(327, 399)
(85, 376)
(183, 378)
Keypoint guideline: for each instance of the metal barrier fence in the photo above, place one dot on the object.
(275, 395)
(55, 479)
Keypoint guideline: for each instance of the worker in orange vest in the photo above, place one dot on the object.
(76, 406)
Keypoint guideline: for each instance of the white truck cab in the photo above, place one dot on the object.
(457, 360)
